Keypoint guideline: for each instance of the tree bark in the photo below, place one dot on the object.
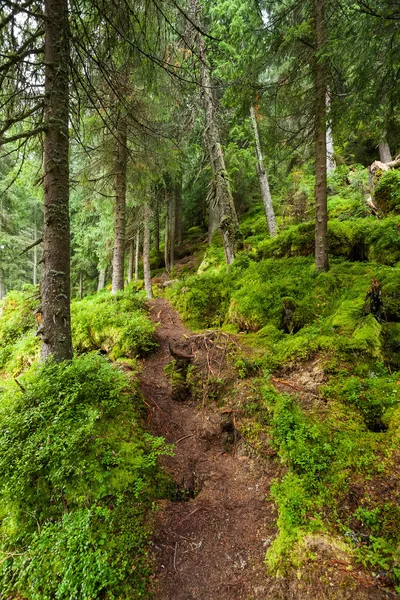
(156, 223)
(178, 210)
(172, 225)
(213, 215)
(55, 329)
(35, 260)
(146, 251)
(166, 231)
(120, 207)
(384, 152)
(131, 261)
(80, 285)
(102, 279)
(263, 179)
(228, 221)
(137, 253)
(330, 161)
(321, 217)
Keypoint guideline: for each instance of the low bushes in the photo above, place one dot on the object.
(114, 323)
(77, 475)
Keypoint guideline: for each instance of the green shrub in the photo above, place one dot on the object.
(114, 323)
(204, 299)
(372, 395)
(301, 443)
(387, 191)
(77, 474)
(19, 347)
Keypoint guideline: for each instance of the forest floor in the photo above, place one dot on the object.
(211, 543)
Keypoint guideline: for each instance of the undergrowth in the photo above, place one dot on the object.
(114, 324)
(340, 449)
(77, 476)
(78, 473)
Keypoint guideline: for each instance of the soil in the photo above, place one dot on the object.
(211, 542)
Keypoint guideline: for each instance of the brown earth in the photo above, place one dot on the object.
(212, 543)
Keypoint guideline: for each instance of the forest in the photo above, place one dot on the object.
(199, 299)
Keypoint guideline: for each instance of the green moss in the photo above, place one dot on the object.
(18, 346)
(387, 191)
(114, 323)
(77, 476)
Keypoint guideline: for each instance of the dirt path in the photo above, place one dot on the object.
(213, 545)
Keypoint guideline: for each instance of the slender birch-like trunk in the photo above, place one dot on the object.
(131, 261)
(102, 279)
(321, 217)
(156, 222)
(263, 179)
(80, 285)
(137, 253)
(178, 210)
(121, 162)
(35, 249)
(172, 225)
(384, 152)
(167, 232)
(146, 251)
(228, 221)
(55, 328)
(330, 161)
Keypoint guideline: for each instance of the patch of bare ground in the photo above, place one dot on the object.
(212, 543)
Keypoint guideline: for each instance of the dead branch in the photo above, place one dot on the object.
(36, 243)
(21, 387)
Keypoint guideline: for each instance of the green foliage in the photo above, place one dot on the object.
(325, 451)
(373, 394)
(387, 191)
(202, 299)
(301, 442)
(114, 323)
(18, 346)
(77, 474)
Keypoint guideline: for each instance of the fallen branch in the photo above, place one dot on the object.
(284, 382)
(176, 548)
(192, 513)
(184, 438)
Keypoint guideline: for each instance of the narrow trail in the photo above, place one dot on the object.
(213, 545)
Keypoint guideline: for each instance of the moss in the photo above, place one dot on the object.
(114, 323)
(77, 478)
(387, 191)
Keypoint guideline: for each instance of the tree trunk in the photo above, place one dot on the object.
(213, 215)
(137, 252)
(384, 152)
(120, 207)
(178, 210)
(55, 329)
(35, 260)
(131, 260)
(80, 285)
(172, 224)
(263, 179)
(228, 221)
(321, 217)
(146, 251)
(102, 280)
(166, 232)
(330, 161)
(157, 222)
